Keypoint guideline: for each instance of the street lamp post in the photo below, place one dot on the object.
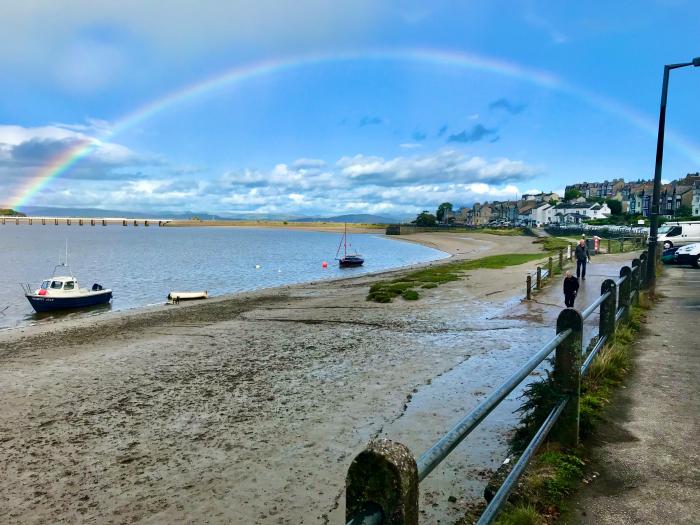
(655, 207)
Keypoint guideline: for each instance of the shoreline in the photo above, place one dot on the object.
(445, 244)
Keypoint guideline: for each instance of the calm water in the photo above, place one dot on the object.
(142, 265)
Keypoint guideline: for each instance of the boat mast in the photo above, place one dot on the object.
(345, 239)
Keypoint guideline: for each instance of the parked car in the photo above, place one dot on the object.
(679, 233)
(688, 254)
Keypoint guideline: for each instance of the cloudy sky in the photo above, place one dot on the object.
(314, 107)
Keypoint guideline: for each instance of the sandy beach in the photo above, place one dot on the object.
(249, 408)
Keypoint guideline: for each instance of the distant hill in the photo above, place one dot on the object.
(49, 211)
(354, 218)
(11, 213)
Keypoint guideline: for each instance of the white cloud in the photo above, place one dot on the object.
(410, 145)
(361, 183)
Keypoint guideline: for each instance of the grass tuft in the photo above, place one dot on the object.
(432, 276)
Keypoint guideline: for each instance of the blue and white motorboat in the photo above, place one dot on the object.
(62, 291)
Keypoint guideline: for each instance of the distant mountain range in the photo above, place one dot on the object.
(365, 218)
(49, 211)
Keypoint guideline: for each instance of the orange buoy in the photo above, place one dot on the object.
(324, 264)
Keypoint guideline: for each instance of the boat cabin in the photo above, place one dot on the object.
(59, 285)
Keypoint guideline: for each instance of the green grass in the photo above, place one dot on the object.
(552, 244)
(502, 231)
(519, 515)
(432, 276)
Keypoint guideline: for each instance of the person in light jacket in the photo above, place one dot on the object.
(582, 257)
(570, 289)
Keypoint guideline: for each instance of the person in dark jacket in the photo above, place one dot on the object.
(582, 256)
(570, 289)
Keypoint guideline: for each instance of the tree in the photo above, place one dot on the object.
(440, 214)
(572, 194)
(683, 211)
(615, 206)
(425, 218)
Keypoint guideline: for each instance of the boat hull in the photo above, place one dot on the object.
(351, 263)
(44, 303)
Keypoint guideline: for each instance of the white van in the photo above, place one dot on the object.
(679, 233)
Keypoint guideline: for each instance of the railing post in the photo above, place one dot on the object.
(636, 279)
(561, 259)
(539, 278)
(608, 309)
(567, 375)
(623, 300)
(550, 268)
(528, 287)
(384, 474)
(645, 263)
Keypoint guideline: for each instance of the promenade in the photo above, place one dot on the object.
(645, 454)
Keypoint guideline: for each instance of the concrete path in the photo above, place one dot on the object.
(547, 304)
(644, 466)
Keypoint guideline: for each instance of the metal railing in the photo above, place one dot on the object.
(382, 481)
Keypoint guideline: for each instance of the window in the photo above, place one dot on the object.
(69, 285)
(674, 231)
(45, 285)
(56, 285)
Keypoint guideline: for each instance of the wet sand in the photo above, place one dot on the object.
(249, 408)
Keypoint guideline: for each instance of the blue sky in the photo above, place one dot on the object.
(355, 133)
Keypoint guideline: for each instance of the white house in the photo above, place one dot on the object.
(581, 211)
(543, 214)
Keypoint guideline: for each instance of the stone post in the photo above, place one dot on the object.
(608, 309)
(645, 263)
(383, 475)
(636, 280)
(567, 376)
(625, 290)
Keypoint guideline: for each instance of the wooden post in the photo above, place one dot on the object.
(567, 376)
(384, 475)
(609, 246)
(528, 287)
(622, 244)
(550, 268)
(561, 259)
(68, 222)
(539, 278)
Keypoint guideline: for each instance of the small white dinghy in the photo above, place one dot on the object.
(176, 297)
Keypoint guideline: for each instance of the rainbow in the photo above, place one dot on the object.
(83, 148)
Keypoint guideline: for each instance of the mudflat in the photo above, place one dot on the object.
(248, 408)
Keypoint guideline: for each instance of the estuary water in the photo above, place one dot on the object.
(142, 265)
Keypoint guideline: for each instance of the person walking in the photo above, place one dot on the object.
(570, 289)
(582, 257)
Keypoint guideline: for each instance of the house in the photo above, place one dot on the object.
(581, 211)
(695, 203)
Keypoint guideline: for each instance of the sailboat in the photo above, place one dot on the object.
(347, 261)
